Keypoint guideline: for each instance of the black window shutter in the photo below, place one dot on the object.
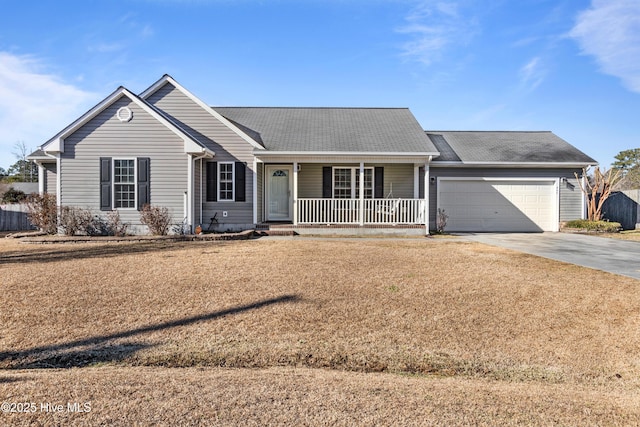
(378, 191)
(212, 181)
(144, 181)
(326, 181)
(105, 183)
(240, 184)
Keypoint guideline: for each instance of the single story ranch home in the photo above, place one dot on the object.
(233, 168)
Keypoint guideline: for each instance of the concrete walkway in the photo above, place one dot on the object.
(611, 255)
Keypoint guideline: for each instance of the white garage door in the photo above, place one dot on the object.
(499, 205)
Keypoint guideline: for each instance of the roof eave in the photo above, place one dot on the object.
(547, 165)
(41, 159)
(56, 144)
(267, 153)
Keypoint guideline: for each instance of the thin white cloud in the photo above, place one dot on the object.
(532, 74)
(106, 47)
(433, 27)
(610, 31)
(34, 105)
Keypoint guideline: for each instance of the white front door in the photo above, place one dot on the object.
(279, 183)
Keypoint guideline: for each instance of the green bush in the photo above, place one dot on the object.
(601, 226)
(13, 196)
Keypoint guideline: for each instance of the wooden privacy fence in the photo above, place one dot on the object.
(623, 207)
(13, 217)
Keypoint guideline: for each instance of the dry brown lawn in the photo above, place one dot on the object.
(625, 235)
(315, 331)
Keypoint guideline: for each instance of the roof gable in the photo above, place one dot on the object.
(506, 147)
(56, 144)
(167, 79)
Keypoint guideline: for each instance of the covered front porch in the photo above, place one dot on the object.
(327, 191)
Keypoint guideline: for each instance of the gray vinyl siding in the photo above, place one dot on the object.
(310, 181)
(106, 136)
(219, 138)
(570, 194)
(50, 178)
(398, 175)
(400, 178)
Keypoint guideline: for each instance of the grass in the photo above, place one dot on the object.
(633, 235)
(316, 331)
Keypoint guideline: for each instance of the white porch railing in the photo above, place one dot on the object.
(347, 211)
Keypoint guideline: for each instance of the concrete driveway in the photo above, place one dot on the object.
(612, 255)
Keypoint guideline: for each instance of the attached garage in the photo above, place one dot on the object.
(499, 204)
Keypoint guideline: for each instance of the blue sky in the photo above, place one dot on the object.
(569, 66)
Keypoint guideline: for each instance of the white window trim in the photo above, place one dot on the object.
(355, 170)
(233, 181)
(114, 183)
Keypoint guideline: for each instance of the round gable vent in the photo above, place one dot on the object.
(124, 114)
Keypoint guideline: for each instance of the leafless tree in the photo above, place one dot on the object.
(597, 189)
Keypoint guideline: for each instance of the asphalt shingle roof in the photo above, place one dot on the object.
(373, 130)
(506, 146)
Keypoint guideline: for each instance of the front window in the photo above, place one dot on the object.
(346, 183)
(124, 183)
(226, 181)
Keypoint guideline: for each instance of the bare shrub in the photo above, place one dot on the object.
(157, 218)
(74, 221)
(115, 226)
(43, 212)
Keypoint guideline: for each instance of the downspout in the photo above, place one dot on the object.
(426, 196)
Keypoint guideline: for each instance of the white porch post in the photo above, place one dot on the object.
(426, 196)
(59, 183)
(361, 196)
(189, 195)
(295, 193)
(255, 191)
(41, 178)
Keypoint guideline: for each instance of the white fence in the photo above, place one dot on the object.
(348, 211)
